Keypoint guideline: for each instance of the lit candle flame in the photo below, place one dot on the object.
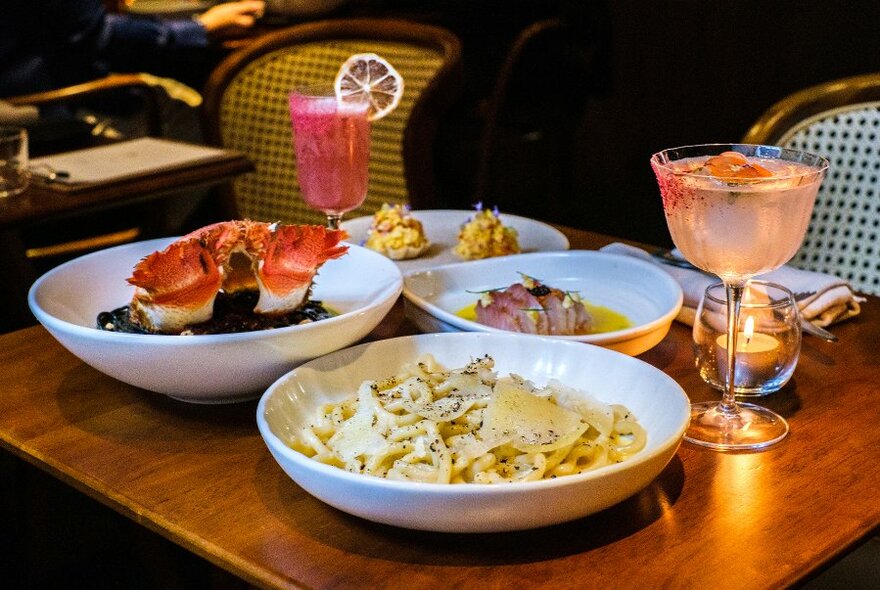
(749, 329)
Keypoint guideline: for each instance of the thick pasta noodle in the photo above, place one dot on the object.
(467, 425)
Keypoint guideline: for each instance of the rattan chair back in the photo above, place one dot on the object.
(246, 109)
(841, 121)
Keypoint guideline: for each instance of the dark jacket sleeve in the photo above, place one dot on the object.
(128, 43)
(53, 43)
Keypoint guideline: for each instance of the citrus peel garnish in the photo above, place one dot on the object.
(366, 75)
(735, 166)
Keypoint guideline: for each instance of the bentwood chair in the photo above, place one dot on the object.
(841, 121)
(246, 109)
(531, 120)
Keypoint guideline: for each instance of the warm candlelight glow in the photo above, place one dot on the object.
(748, 341)
(756, 353)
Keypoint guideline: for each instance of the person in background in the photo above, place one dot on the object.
(50, 44)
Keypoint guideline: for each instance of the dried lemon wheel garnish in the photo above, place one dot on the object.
(368, 75)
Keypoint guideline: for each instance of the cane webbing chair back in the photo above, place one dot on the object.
(841, 121)
(246, 107)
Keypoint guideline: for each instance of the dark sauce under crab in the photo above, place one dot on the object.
(232, 314)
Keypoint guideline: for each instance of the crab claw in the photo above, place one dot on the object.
(175, 287)
(292, 259)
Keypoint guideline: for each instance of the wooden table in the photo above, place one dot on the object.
(41, 203)
(202, 477)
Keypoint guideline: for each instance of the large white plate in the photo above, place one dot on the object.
(645, 294)
(657, 401)
(442, 225)
(216, 368)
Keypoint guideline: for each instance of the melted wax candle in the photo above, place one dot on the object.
(757, 355)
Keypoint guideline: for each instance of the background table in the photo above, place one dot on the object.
(201, 476)
(41, 203)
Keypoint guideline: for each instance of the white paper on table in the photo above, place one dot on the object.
(124, 159)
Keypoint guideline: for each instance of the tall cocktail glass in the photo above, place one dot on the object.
(737, 211)
(332, 144)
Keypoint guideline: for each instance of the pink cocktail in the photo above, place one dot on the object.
(332, 144)
(737, 211)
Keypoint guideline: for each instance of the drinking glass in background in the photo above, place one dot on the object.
(14, 174)
(737, 211)
(332, 144)
(768, 346)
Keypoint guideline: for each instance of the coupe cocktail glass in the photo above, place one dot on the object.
(332, 144)
(737, 211)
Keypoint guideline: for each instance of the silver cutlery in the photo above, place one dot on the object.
(48, 174)
(811, 328)
(667, 257)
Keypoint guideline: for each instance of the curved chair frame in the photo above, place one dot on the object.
(109, 83)
(780, 118)
(501, 93)
(421, 128)
(525, 148)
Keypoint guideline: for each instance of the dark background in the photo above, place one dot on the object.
(588, 107)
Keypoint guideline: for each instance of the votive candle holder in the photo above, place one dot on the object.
(768, 339)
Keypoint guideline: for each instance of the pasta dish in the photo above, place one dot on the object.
(467, 425)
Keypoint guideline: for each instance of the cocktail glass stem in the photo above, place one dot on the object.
(734, 299)
(333, 221)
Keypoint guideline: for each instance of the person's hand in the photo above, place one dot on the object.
(228, 18)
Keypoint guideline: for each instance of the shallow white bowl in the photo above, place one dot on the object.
(362, 286)
(656, 399)
(639, 290)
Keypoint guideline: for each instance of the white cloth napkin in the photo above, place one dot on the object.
(823, 299)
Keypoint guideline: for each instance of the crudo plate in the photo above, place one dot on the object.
(646, 295)
(441, 228)
(657, 401)
(362, 286)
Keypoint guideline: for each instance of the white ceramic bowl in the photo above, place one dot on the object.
(639, 290)
(657, 400)
(361, 285)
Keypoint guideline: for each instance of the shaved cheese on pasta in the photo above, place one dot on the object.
(599, 415)
(357, 436)
(530, 423)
